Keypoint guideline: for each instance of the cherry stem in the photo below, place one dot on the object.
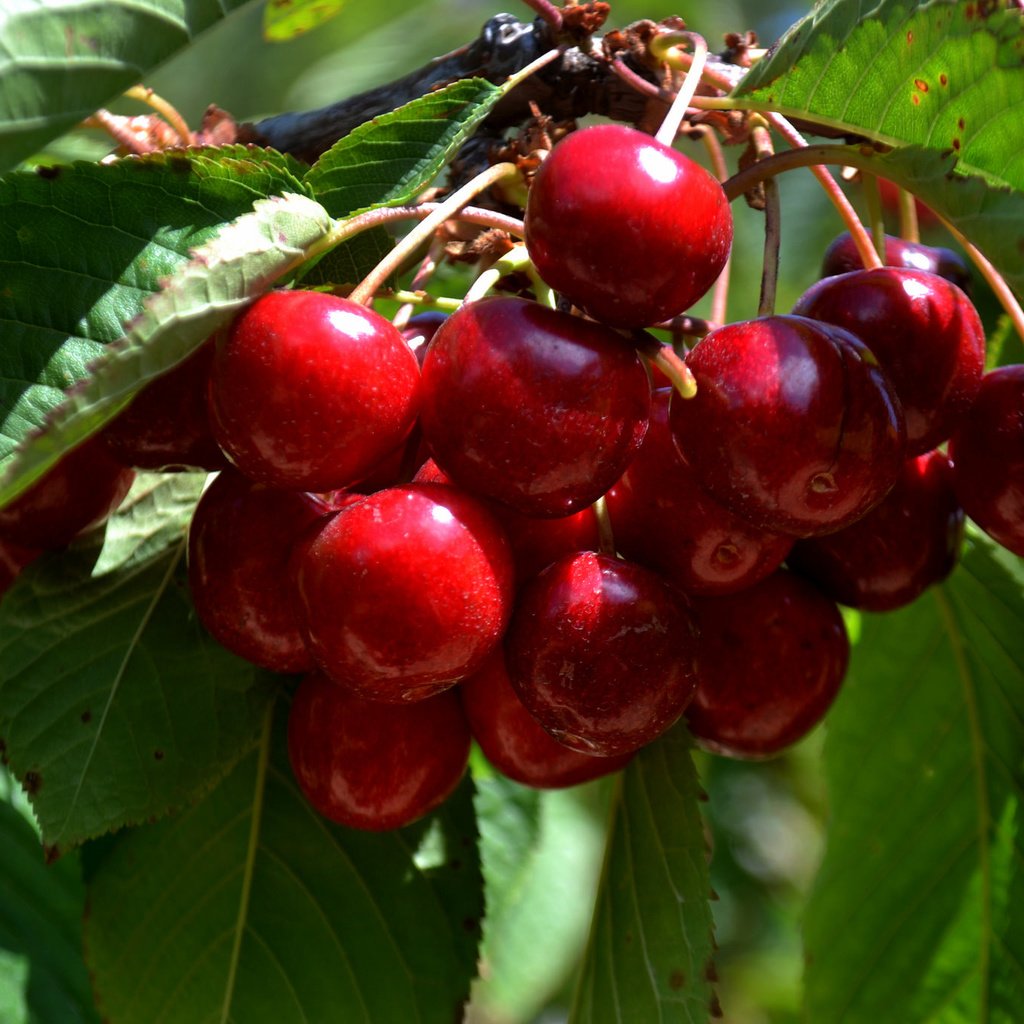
(764, 148)
(689, 326)
(551, 14)
(630, 77)
(909, 229)
(535, 65)
(515, 260)
(422, 276)
(875, 216)
(663, 47)
(166, 110)
(720, 294)
(666, 359)
(367, 288)
(605, 534)
(411, 298)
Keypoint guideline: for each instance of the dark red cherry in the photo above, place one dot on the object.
(662, 518)
(988, 457)
(374, 766)
(906, 543)
(81, 490)
(420, 329)
(626, 228)
(794, 426)
(310, 391)
(841, 257)
(769, 663)
(513, 740)
(532, 407)
(925, 333)
(239, 548)
(601, 653)
(167, 424)
(406, 591)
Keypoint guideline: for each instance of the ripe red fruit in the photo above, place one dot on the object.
(926, 335)
(311, 391)
(841, 257)
(81, 490)
(906, 543)
(662, 518)
(601, 653)
(629, 230)
(406, 591)
(239, 547)
(794, 426)
(514, 741)
(532, 407)
(988, 457)
(374, 766)
(769, 663)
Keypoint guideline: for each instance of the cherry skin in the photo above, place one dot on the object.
(769, 664)
(532, 407)
(406, 591)
(80, 491)
(629, 230)
(924, 331)
(841, 257)
(310, 391)
(988, 458)
(905, 544)
(239, 548)
(420, 329)
(515, 743)
(663, 519)
(601, 653)
(374, 766)
(794, 426)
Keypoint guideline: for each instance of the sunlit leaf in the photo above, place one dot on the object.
(286, 19)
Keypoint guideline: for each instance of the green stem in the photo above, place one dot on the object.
(875, 216)
(663, 48)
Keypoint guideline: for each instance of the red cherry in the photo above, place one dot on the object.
(629, 230)
(374, 766)
(769, 663)
(239, 547)
(988, 458)
(925, 333)
(842, 256)
(794, 426)
(420, 329)
(663, 519)
(532, 407)
(81, 490)
(601, 653)
(311, 391)
(906, 543)
(514, 742)
(406, 591)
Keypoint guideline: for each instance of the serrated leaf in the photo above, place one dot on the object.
(115, 705)
(286, 19)
(651, 943)
(391, 159)
(249, 907)
(918, 913)
(62, 61)
(40, 923)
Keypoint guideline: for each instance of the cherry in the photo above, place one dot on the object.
(601, 653)
(14, 558)
(841, 257)
(769, 663)
(906, 543)
(794, 426)
(239, 547)
(311, 391)
(167, 424)
(925, 333)
(629, 230)
(406, 591)
(663, 519)
(530, 406)
(374, 766)
(988, 457)
(420, 329)
(81, 490)
(514, 742)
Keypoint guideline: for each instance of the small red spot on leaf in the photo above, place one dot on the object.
(961, 123)
(956, 145)
(910, 38)
(916, 100)
(943, 79)
(676, 980)
(921, 84)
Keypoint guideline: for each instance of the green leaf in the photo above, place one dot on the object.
(918, 913)
(115, 705)
(286, 19)
(40, 927)
(81, 249)
(651, 943)
(251, 907)
(391, 159)
(62, 61)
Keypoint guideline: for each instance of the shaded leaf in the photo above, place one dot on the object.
(918, 913)
(115, 705)
(286, 19)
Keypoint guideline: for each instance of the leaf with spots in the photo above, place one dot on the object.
(286, 19)
(249, 906)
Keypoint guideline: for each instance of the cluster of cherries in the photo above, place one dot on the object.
(497, 526)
